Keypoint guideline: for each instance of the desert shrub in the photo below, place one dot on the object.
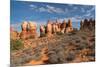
(71, 33)
(77, 41)
(83, 45)
(16, 44)
(75, 29)
(53, 58)
(59, 33)
(70, 56)
(31, 37)
(84, 37)
(42, 35)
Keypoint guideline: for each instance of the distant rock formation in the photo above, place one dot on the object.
(87, 24)
(55, 27)
(69, 27)
(29, 28)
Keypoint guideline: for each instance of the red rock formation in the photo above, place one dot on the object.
(69, 23)
(28, 30)
(49, 28)
(87, 24)
(32, 29)
(42, 30)
(53, 28)
(63, 26)
(24, 33)
(14, 35)
(69, 27)
(58, 26)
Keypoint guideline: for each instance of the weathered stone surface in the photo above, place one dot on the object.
(24, 26)
(69, 23)
(63, 26)
(49, 28)
(42, 30)
(57, 27)
(28, 30)
(53, 28)
(69, 27)
(14, 35)
(32, 29)
(24, 33)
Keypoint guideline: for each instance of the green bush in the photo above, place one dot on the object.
(16, 44)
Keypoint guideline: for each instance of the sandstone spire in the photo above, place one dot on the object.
(49, 28)
(24, 32)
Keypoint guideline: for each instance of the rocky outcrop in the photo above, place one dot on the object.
(87, 24)
(24, 27)
(14, 35)
(32, 29)
(69, 27)
(63, 26)
(56, 27)
(28, 30)
(42, 30)
(49, 28)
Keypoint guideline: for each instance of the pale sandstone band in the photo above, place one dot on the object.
(29, 29)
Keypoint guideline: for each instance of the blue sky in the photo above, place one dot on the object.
(41, 12)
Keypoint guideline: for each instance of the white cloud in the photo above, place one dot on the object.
(31, 5)
(52, 9)
(42, 9)
(92, 9)
(47, 8)
(74, 19)
(87, 15)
